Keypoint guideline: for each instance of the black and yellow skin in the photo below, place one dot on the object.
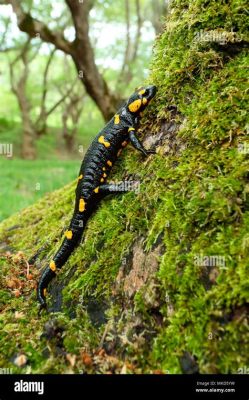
(95, 168)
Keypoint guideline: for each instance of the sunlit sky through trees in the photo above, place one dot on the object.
(103, 35)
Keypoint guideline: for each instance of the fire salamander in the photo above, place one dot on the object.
(95, 168)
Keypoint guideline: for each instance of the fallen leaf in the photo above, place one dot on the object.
(86, 359)
(17, 293)
(123, 370)
(20, 360)
(19, 315)
(13, 283)
(71, 358)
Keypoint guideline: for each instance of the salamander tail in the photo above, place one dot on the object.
(45, 278)
(67, 247)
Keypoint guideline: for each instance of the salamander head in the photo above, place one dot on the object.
(141, 98)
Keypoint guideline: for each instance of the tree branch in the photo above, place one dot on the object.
(7, 22)
(17, 88)
(62, 99)
(79, 12)
(35, 28)
(42, 113)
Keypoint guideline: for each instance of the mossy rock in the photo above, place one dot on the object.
(160, 280)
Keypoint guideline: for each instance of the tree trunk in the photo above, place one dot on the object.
(96, 87)
(72, 111)
(84, 60)
(70, 140)
(28, 150)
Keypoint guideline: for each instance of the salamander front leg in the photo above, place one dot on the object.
(138, 145)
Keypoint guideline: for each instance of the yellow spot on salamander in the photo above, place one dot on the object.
(80, 177)
(102, 180)
(82, 205)
(109, 163)
(102, 141)
(96, 190)
(131, 129)
(124, 143)
(135, 105)
(145, 101)
(141, 92)
(104, 168)
(116, 119)
(52, 265)
(104, 175)
(119, 152)
(69, 234)
(44, 292)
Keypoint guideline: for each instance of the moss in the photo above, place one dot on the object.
(193, 201)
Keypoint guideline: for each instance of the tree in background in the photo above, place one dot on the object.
(70, 118)
(18, 87)
(131, 49)
(71, 108)
(80, 49)
(19, 69)
(160, 8)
